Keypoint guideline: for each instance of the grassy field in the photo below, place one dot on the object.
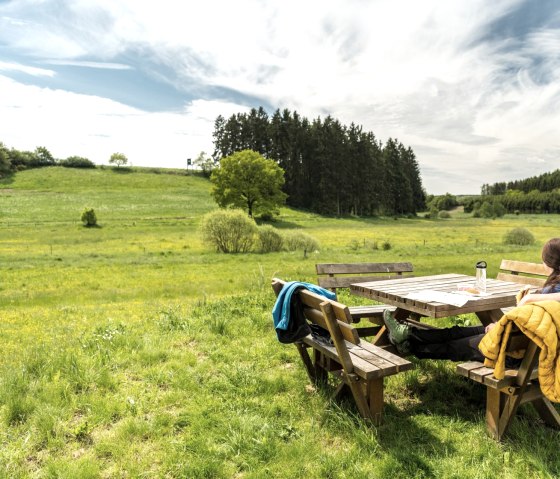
(134, 350)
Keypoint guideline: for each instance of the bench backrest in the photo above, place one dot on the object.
(328, 314)
(521, 272)
(342, 275)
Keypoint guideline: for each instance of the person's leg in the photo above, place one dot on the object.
(463, 348)
(444, 335)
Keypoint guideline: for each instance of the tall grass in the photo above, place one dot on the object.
(133, 350)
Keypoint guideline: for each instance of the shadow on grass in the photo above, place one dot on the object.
(434, 390)
(7, 180)
(279, 224)
(122, 169)
(410, 447)
(439, 391)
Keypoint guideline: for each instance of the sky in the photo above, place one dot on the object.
(472, 86)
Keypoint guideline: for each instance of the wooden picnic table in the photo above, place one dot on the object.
(394, 292)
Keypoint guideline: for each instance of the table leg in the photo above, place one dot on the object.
(491, 316)
(401, 314)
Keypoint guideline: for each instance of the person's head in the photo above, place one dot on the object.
(551, 254)
(551, 259)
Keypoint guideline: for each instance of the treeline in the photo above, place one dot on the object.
(515, 201)
(538, 194)
(544, 182)
(329, 168)
(12, 160)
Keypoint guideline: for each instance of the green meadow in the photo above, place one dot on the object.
(136, 350)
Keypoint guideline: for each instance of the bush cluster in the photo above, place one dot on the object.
(269, 239)
(519, 237)
(76, 162)
(232, 231)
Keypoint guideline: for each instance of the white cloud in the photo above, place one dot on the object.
(429, 73)
(102, 65)
(72, 124)
(16, 67)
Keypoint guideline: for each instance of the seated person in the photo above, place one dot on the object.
(461, 343)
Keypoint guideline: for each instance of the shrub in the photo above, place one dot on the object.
(486, 210)
(230, 231)
(491, 209)
(89, 218)
(499, 209)
(519, 236)
(298, 240)
(76, 162)
(386, 246)
(444, 215)
(269, 239)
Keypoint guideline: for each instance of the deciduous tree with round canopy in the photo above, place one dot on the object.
(118, 159)
(248, 180)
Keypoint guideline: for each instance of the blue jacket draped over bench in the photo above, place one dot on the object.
(289, 323)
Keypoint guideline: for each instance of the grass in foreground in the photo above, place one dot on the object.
(132, 350)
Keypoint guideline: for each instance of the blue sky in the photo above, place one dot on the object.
(473, 86)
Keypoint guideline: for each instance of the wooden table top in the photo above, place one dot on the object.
(393, 292)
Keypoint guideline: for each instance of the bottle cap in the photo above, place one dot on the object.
(481, 264)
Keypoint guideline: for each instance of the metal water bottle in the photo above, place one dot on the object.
(480, 282)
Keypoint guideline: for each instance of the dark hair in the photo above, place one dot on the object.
(551, 257)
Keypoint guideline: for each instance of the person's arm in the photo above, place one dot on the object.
(534, 297)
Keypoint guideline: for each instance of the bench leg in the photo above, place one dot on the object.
(547, 412)
(500, 410)
(494, 407)
(374, 394)
(360, 397)
(320, 373)
(302, 350)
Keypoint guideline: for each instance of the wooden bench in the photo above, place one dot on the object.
(358, 366)
(519, 386)
(531, 274)
(524, 273)
(341, 275)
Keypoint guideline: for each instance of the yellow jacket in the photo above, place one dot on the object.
(540, 322)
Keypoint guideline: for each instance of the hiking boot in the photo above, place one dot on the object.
(398, 333)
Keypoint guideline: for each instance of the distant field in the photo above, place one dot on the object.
(149, 246)
(135, 350)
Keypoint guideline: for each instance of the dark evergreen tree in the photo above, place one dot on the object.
(329, 168)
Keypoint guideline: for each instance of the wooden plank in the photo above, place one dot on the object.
(341, 312)
(362, 368)
(523, 267)
(337, 337)
(369, 311)
(508, 380)
(480, 374)
(464, 369)
(476, 371)
(357, 268)
(385, 366)
(514, 278)
(334, 282)
(402, 364)
(347, 330)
